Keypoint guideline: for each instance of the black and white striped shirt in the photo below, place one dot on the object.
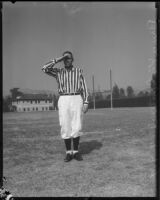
(69, 80)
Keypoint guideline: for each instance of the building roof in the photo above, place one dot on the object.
(34, 97)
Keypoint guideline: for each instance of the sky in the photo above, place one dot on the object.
(101, 36)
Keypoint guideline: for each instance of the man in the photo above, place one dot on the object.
(72, 103)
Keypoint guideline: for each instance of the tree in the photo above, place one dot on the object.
(90, 96)
(153, 83)
(108, 97)
(121, 92)
(153, 88)
(115, 91)
(130, 91)
(15, 93)
(7, 103)
(141, 94)
(98, 96)
(146, 93)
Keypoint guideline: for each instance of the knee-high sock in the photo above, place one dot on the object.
(68, 144)
(76, 143)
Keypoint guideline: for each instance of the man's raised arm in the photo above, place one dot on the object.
(49, 68)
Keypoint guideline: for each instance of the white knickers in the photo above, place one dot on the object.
(70, 115)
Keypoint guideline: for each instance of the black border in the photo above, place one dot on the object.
(1, 125)
(157, 6)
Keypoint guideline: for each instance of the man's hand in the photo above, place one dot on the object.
(85, 108)
(61, 58)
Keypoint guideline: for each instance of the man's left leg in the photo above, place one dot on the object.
(76, 154)
(77, 118)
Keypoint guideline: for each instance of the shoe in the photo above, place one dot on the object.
(68, 157)
(77, 156)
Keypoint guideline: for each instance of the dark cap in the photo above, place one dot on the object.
(68, 52)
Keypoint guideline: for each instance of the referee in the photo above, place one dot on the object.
(72, 103)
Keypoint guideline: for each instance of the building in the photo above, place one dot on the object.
(32, 102)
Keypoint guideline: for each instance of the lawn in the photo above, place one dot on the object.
(118, 148)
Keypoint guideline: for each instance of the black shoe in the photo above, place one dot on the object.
(77, 156)
(68, 157)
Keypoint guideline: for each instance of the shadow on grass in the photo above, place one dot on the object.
(87, 147)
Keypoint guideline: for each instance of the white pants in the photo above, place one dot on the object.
(70, 115)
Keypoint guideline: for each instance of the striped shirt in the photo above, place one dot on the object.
(69, 80)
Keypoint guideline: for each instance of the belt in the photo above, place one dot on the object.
(64, 94)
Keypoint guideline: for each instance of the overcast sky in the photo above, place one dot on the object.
(101, 35)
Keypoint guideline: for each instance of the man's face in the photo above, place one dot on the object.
(68, 61)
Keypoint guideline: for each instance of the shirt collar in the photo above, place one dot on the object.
(70, 68)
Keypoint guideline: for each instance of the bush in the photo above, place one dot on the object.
(144, 101)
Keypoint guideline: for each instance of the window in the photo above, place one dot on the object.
(24, 109)
(33, 109)
(45, 101)
(46, 108)
(36, 108)
(31, 101)
(28, 109)
(42, 108)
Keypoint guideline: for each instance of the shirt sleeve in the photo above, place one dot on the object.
(84, 89)
(49, 68)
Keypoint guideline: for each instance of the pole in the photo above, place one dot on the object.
(111, 88)
(93, 92)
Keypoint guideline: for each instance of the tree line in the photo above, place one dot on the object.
(121, 93)
(117, 93)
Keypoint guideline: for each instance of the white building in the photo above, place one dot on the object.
(28, 103)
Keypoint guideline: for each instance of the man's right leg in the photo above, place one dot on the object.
(64, 120)
(68, 150)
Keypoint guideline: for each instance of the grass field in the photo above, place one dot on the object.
(118, 148)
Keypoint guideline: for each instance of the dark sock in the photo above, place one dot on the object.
(68, 144)
(76, 143)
